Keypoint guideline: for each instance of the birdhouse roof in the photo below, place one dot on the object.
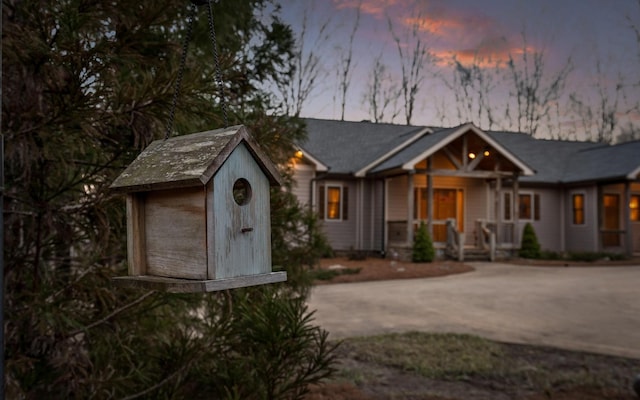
(189, 160)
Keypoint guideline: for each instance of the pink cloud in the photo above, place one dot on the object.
(376, 8)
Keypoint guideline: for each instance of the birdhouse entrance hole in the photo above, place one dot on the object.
(242, 192)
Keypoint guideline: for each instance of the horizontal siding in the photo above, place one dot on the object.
(549, 227)
(302, 178)
(397, 198)
(371, 235)
(582, 237)
(342, 234)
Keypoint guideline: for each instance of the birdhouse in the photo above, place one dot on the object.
(198, 213)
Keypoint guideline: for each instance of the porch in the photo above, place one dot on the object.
(456, 186)
(488, 240)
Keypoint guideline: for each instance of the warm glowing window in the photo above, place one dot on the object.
(578, 209)
(332, 202)
(634, 208)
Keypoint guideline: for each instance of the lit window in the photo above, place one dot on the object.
(634, 208)
(578, 209)
(332, 202)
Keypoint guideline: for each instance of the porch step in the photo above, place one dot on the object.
(476, 254)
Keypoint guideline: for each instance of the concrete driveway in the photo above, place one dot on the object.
(593, 309)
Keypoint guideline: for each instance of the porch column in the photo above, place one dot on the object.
(410, 199)
(496, 210)
(430, 197)
(516, 211)
(599, 218)
(628, 235)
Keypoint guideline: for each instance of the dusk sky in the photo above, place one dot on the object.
(487, 31)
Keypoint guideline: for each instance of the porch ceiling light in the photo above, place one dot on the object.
(486, 153)
(472, 155)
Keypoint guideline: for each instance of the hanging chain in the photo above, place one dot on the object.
(183, 61)
(219, 83)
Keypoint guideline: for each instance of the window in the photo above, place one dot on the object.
(634, 208)
(528, 206)
(333, 202)
(578, 209)
(507, 206)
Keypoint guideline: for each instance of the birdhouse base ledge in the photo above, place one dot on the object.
(175, 285)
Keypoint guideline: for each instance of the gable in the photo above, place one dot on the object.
(458, 145)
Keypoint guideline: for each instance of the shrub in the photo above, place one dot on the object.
(423, 250)
(529, 248)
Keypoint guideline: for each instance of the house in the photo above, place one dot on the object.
(372, 184)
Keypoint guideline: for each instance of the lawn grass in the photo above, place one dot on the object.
(437, 356)
(461, 357)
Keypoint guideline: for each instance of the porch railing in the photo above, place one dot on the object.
(455, 240)
(486, 237)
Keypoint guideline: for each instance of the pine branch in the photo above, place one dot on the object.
(113, 314)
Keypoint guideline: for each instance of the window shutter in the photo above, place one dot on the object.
(321, 202)
(345, 203)
(536, 207)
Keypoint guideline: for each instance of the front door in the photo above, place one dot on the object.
(611, 221)
(447, 203)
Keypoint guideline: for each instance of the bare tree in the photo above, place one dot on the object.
(472, 86)
(306, 70)
(602, 114)
(535, 93)
(344, 71)
(412, 63)
(381, 95)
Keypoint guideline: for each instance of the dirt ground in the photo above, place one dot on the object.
(606, 377)
(603, 377)
(373, 269)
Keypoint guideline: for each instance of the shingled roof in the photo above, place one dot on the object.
(348, 147)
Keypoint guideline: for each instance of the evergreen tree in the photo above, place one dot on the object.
(86, 86)
(529, 247)
(423, 250)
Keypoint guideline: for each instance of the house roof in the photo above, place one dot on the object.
(604, 163)
(346, 147)
(548, 157)
(189, 160)
(351, 147)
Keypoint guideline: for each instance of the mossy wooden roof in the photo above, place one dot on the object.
(189, 160)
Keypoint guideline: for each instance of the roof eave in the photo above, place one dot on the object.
(319, 165)
(363, 171)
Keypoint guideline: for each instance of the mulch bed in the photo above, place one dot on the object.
(376, 269)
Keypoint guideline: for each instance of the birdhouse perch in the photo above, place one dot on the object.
(198, 213)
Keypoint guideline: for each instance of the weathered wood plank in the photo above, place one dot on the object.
(136, 244)
(175, 233)
(211, 234)
(242, 232)
(197, 286)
